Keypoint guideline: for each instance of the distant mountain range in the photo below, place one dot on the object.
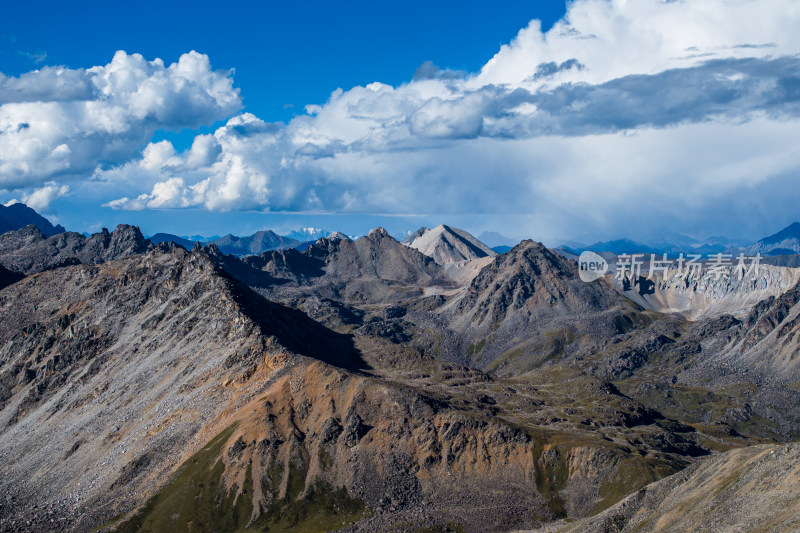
(785, 242)
(446, 244)
(501, 249)
(495, 240)
(254, 244)
(158, 238)
(308, 234)
(17, 216)
(257, 243)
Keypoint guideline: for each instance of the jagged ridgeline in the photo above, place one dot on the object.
(371, 385)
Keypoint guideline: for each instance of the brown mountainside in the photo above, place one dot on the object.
(354, 384)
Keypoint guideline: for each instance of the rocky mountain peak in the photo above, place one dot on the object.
(446, 244)
(786, 241)
(338, 236)
(535, 258)
(420, 232)
(17, 216)
(27, 235)
(126, 239)
(27, 250)
(531, 284)
(376, 256)
(379, 233)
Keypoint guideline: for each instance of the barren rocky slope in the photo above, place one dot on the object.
(446, 244)
(748, 489)
(527, 313)
(125, 369)
(355, 384)
(708, 295)
(28, 251)
(110, 372)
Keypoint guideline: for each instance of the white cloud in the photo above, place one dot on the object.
(41, 198)
(616, 38)
(225, 171)
(58, 123)
(641, 106)
(449, 119)
(159, 155)
(205, 150)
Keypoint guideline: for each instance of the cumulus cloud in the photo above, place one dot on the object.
(41, 198)
(617, 38)
(225, 171)
(642, 105)
(59, 123)
(611, 69)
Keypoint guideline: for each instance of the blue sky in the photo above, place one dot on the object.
(285, 54)
(601, 119)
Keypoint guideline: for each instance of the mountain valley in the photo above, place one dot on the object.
(363, 385)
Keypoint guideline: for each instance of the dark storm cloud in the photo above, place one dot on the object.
(720, 88)
(547, 70)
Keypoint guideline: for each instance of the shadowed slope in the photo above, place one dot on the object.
(29, 251)
(17, 216)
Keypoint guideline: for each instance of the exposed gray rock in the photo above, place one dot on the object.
(446, 244)
(708, 294)
(28, 250)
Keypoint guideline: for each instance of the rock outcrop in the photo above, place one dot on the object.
(749, 489)
(708, 294)
(446, 244)
(29, 251)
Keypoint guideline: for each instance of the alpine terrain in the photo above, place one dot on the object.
(370, 385)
